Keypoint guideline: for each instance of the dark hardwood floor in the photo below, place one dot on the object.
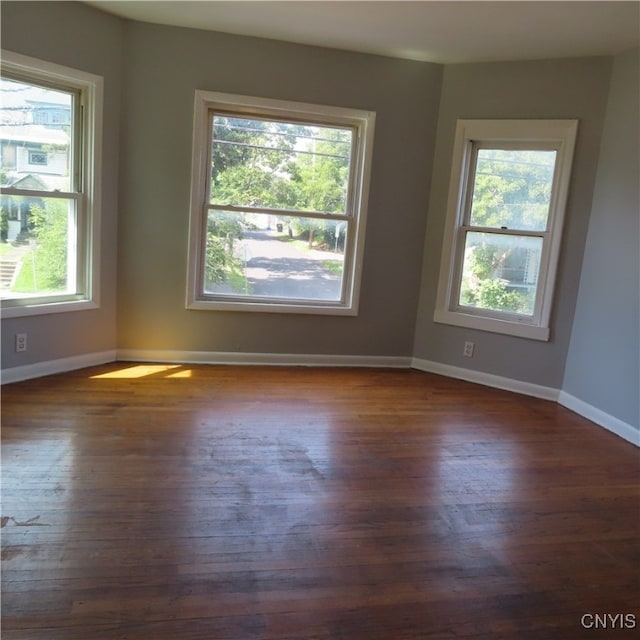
(230, 503)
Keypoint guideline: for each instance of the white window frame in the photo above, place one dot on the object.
(363, 123)
(559, 135)
(85, 243)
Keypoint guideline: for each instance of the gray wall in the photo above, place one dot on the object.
(165, 66)
(151, 73)
(603, 359)
(74, 35)
(575, 88)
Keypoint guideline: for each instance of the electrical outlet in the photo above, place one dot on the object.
(468, 349)
(21, 341)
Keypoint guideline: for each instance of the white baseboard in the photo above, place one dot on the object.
(605, 420)
(50, 367)
(271, 359)
(602, 419)
(39, 369)
(487, 379)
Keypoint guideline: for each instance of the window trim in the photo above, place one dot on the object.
(363, 123)
(33, 153)
(88, 143)
(559, 135)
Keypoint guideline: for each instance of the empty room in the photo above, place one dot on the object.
(320, 320)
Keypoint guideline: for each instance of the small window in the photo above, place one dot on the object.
(50, 183)
(278, 205)
(504, 221)
(38, 158)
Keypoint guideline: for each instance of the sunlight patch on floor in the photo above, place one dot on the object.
(142, 370)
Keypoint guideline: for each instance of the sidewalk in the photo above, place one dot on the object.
(10, 261)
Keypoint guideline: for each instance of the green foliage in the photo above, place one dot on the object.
(482, 284)
(495, 295)
(321, 177)
(512, 189)
(4, 223)
(217, 258)
(4, 209)
(249, 164)
(252, 185)
(222, 231)
(321, 180)
(333, 266)
(46, 269)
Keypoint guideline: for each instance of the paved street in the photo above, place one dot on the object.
(279, 269)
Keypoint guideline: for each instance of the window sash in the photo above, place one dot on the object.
(36, 193)
(349, 199)
(291, 213)
(456, 292)
(77, 270)
(77, 124)
(470, 182)
(278, 300)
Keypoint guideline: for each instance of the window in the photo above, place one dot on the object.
(38, 157)
(278, 205)
(49, 200)
(507, 196)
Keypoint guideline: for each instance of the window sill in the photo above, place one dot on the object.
(493, 325)
(45, 308)
(329, 309)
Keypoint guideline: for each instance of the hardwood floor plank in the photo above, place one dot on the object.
(233, 503)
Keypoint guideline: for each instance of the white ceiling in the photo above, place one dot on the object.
(433, 31)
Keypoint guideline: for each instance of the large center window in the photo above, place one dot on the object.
(278, 205)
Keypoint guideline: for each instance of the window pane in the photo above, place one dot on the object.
(500, 272)
(35, 134)
(512, 189)
(280, 165)
(270, 256)
(39, 257)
